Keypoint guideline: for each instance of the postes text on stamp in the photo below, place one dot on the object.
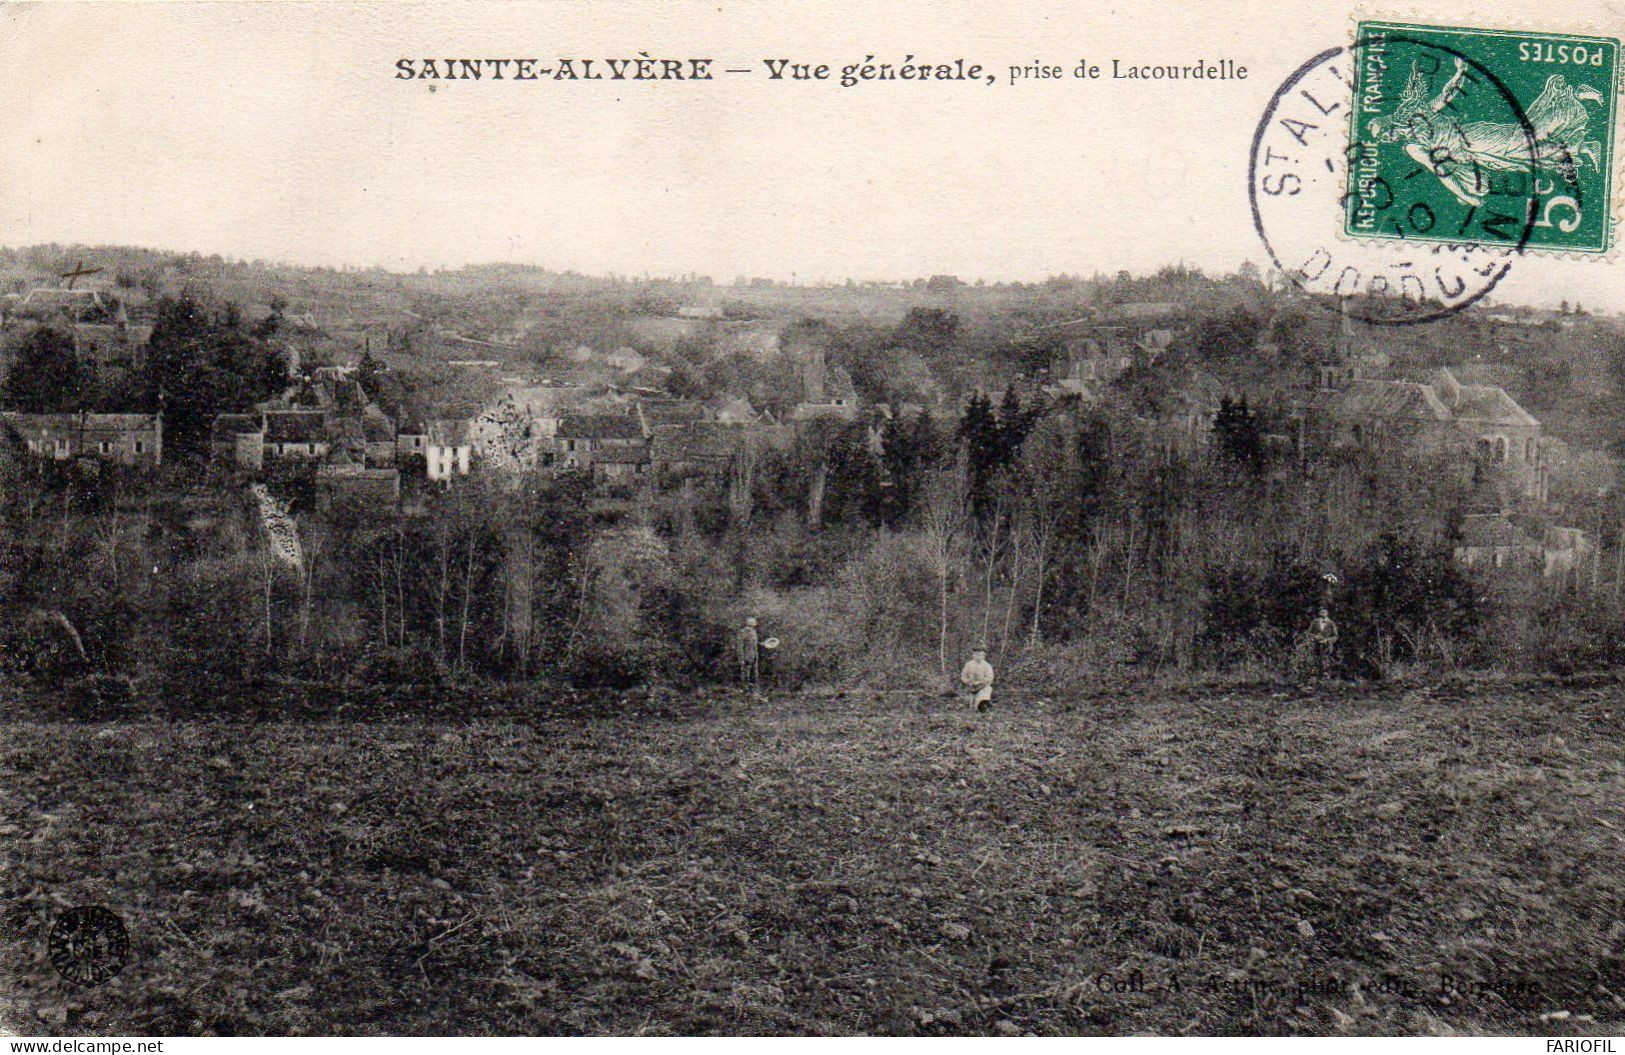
(1485, 137)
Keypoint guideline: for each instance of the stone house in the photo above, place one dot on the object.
(1566, 551)
(707, 450)
(411, 439)
(734, 410)
(378, 433)
(296, 435)
(699, 450)
(1089, 361)
(98, 322)
(448, 449)
(583, 440)
(621, 465)
(626, 359)
(238, 440)
(1490, 540)
(124, 439)
(828, 392)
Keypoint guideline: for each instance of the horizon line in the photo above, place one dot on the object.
(695, 277)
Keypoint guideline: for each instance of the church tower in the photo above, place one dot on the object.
(1353, 357)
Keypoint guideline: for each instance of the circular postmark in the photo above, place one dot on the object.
(88, 944)
(1397, 176)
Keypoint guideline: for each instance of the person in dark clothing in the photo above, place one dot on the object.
(749, 652)
(1323, 642)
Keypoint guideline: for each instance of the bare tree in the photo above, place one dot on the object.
(1040, 527)
(741, 486)
(584, 569)
(990, 550)
(468, 599)
(1017, 551)
(268, 563)
(109, 533)
(398, 552)
(314, 545)
(815, 495)
(445, 539)
(942, 532)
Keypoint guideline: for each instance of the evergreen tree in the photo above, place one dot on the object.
(369, 371)
(852, 487)
(201, 362)
(47, 376)
(909, 453)
(979, 435)
(1010, 429)
(927, 330)
(1015, 422)
(1239, 436)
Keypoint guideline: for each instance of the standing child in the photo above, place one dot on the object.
(977, 677)
(750, 668)
(1323, 639)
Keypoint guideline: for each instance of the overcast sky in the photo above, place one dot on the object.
(281, 131)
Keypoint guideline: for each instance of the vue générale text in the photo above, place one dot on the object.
(644, 67)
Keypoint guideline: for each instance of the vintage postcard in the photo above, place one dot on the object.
(664, 519)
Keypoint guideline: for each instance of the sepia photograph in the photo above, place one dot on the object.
(653, 519)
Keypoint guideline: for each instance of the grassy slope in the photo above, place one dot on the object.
(836, 865)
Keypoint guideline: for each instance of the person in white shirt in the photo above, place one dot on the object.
(977, 677)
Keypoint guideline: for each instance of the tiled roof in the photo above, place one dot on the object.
(1490, 405)
(600, 427)
(48, 299)
(838, 384)
(700, 442)
(86, 420)
(448, 432)
(713, 442)
(294, 426)
(376, 426)
(120, 422)
(21, 421)
(228, 426)
(1385, 399)
(1444, 399)
(660, 412)
(1492, 530)
(737, 407)
(622, 456)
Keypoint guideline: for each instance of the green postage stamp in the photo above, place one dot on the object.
(1489, 137)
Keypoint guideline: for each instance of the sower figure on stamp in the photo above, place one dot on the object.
(750, 665)
(1323, 642)
(1555, 138)
(977, 677)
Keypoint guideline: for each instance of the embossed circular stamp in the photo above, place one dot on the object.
(88, 945)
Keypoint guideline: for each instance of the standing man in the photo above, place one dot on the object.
(1323, 639)
(750, 667)
(977, 677)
